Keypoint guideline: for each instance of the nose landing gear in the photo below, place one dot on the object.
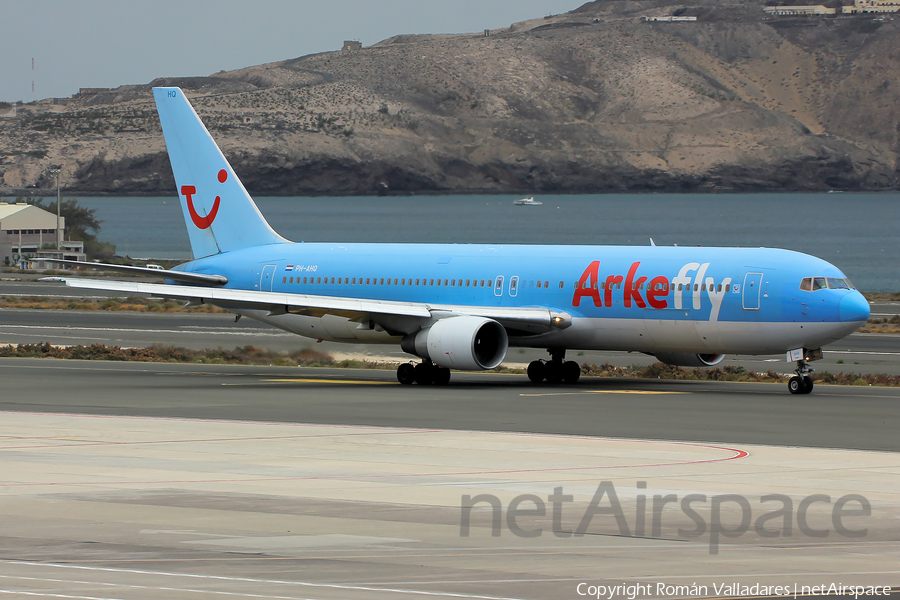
(554, 370)
(801, 383)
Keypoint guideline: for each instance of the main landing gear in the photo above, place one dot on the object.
(801, 383)
(424, 373)
(555, 370)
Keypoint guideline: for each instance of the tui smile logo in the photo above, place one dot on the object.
(202, 222)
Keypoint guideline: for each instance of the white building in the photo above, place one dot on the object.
(818, 9)
(29, 235)
(873, 6)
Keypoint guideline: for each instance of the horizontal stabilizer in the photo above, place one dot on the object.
(163, 273)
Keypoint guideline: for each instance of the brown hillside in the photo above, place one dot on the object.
(592, 100)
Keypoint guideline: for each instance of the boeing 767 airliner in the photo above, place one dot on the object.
(461, 306)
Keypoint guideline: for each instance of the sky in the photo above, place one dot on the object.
(108, 43)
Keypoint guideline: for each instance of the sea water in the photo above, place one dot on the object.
(857, 232)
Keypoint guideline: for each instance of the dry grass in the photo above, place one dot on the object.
(882, 325)
(733, 373)
(308, 357)
(132, 303)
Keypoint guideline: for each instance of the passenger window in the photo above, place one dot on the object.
(561, 284)
(819, 284)
(432, 282)
(546, 284)
(727, 287)
(489, 282)
(539, 285)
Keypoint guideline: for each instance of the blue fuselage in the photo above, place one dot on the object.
(720, 291)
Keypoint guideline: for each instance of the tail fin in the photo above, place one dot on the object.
(219, 213)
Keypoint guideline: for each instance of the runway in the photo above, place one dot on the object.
(137, 507)
(850, 417)
(145, 480)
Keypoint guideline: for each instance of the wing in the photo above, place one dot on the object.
(529, 320)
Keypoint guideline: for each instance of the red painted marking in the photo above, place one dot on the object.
(737, 453)
(223, 175)
(201, 222)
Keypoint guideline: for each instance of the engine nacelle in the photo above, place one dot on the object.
(464, 342)
(686, 359)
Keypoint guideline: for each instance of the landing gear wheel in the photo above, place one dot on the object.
(571, 371)
(807, 384)
(423, 374)
(536, 371)
(406, 374)
(802, 382)
(553, 371)
(440, 376)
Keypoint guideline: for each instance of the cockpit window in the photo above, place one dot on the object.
(836, 283)
(814, 284)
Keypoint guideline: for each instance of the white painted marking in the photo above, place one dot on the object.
(139, 587)
(333, 586)
(49, 595)
(187, 532)
(862, 352)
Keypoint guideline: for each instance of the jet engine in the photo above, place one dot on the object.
(686, 359)
(463, 342)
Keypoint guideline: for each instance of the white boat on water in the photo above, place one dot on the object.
(529, 201)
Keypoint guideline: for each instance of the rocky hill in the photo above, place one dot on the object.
(589, 101)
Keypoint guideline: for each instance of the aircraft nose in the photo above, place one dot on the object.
(854, 308)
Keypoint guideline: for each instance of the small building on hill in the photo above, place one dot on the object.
(816, 9)
(29, 235)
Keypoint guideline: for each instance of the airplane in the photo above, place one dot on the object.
(462, 306)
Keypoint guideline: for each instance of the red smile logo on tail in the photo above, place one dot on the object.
(202, 222)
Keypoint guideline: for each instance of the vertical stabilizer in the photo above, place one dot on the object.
(219, 213)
